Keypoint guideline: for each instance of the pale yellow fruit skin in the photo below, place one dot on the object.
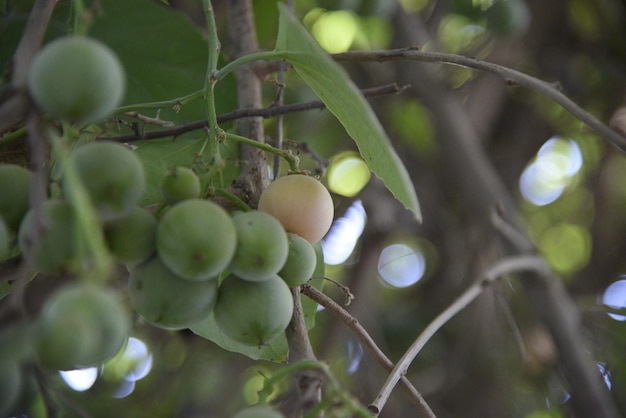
(302, 205)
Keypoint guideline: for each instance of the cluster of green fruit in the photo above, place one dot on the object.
(261, 252)
(177, 262)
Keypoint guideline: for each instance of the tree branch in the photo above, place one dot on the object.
(14, 102)
(510, 75)
(505, 266)
(265, 113)
(369, 343)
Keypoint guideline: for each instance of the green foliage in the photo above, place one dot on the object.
(333, 85)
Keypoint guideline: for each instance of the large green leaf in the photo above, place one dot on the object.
(164, 54)
(335, 88)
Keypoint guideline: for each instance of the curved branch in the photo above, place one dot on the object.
(512, 76)
(368, 342)
(506, 266)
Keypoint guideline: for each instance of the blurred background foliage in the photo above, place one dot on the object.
(494, 359)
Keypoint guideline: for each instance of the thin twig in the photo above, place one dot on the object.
(380, 357)
(264, 113)
(506, 266)
(510, 75)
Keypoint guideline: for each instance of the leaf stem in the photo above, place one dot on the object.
(233, 65)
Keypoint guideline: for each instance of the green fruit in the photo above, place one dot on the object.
(301, 204)
(259, 412)
(77, 79)
(179, 184)
(300, 263)
(112, 175)
(253, 312)
(262, 246)
(54, 250)
(80, 326)
(167, 300)
(196, 239)
(132, 239)
(14, 191)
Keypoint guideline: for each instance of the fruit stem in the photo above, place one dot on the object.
(79, 18)
(238, 202)
(95, 262)
(209, 82)
(293, 160)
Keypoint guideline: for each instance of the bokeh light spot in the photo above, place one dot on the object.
(546, 177)
(400, 265)
(347, 174)
(335, 31)
(615, 297)
(345, 232)
(80, 379)
(567, 247)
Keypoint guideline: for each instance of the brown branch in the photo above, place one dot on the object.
(512, 77)
(485, 190)
(265, 113)
(14, 102)
(380, 357)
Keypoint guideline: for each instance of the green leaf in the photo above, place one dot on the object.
(335, 88)
(159, 155)
(164, 55)
(276, 350)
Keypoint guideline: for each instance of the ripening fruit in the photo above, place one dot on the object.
(112, 175)
(262, 246)
(14, 190)
(180, 183)
(253, 312)
(301, 203)
(259, 412)
(196, 239)
(167, 300)
(81, 325)
(77, 79)
(300, 263)
(133, 238)
(54, 251)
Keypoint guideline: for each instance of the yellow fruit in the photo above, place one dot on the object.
(301, 204)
